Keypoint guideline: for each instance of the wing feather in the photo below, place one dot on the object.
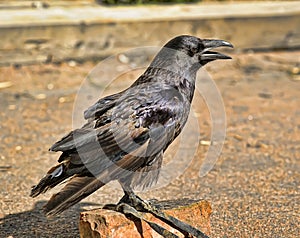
(126, 133)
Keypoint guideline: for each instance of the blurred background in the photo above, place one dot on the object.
(47, 49)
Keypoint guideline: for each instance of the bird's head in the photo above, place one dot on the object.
(183, 56)
(196, 52)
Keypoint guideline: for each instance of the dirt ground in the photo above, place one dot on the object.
(253, 187)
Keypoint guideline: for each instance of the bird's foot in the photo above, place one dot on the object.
(138, 203)
(131, 204)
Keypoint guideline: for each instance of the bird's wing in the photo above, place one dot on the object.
(156, 114)
(140, 117)
(101, 106)
(137, 130)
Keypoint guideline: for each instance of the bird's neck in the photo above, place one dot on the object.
(181, 79)
(186, 85)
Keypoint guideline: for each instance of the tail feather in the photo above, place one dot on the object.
(74, 191)
(54, 176)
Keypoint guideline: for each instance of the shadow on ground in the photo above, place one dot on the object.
(35, 224)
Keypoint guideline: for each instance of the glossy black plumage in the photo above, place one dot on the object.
(127, 133)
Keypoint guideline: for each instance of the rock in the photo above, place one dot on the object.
(106, 223)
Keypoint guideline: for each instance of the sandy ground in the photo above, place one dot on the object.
(253, 187)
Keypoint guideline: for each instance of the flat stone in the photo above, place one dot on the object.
(107, 223)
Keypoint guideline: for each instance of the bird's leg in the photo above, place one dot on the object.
(135, 201)
(143, 206)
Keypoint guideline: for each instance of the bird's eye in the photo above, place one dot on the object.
(193, 50)
(200, 47)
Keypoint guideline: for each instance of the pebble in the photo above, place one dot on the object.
(238, 137)
(5, 84)
(295, 70)
(50, 86)
(262, 145)
(62, 99)
(72, 63)
(250, 117)
(18, 148)
(205, 142)
(40, 96)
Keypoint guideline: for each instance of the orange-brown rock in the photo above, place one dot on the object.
(107, 223)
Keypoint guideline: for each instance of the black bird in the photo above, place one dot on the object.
(127, 133)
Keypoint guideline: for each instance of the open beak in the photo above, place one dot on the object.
(208, 55)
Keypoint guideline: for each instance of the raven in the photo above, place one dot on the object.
(127, 133)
